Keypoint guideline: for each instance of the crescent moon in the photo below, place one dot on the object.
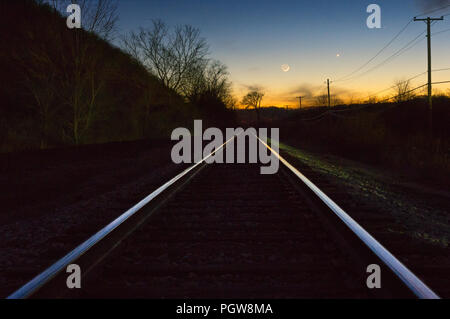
(285, 68)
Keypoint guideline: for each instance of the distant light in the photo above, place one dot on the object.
(338, 55)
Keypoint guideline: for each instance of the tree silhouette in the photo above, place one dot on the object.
(99, 16)
(403, 91)
(173, 56)
(253, 100)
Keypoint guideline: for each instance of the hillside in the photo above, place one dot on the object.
(68, 87)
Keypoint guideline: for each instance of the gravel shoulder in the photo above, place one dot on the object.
(416, 227)
(54, 200)
(423, 210)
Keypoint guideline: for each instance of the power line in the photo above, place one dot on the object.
(419, 38)
(407, 92)
(442, 82)
(394, 86)
(438, 70)
(434, 10)
(384, 90)
(377, 54)
(343, 78)
(439, 32)
(429, 22)
(404, 81)
(404, 49)
(331, 112)
(412, 90)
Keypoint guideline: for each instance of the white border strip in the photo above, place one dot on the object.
(44, 277)
(419, 288)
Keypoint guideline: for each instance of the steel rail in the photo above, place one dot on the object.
(418, 287)
(44, 277)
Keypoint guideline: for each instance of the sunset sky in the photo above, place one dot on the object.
(255, 38)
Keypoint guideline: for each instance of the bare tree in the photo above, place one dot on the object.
(173, 56)
(83, 88)
(403, 91)
(195, 83)
(372, 100)
(39, 79)
(253, 100)
(39, 74)
(217, 80)
(62, 72)
(231, 102)
(335, 100)
(81, 81)
(58, 5)
(352, 100)
(101, 17)
(210, 79)
(98, 16)
(322, 100)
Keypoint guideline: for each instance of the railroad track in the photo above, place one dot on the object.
(226, 231)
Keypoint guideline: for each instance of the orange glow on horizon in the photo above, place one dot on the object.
(271, 100)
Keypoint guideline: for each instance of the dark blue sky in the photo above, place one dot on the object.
(254, 38)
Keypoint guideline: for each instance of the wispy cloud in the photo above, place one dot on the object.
(254, 69)
(427, 5)
(253, 87)
(307, 90)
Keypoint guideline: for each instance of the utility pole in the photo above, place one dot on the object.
(430, 89)
(300, 100)
(328, 85)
